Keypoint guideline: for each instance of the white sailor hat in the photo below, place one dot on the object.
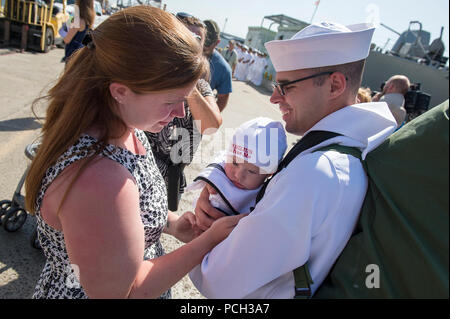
(260, 141)
(320, 45)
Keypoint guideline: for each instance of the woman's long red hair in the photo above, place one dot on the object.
(142, 47)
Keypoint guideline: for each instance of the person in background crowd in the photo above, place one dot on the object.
(230, 55)
(258, 70)
(221, 79)
(246, 59)
(181, 137)
(79, 27)
(393, 93)
(241, 51)
(364, 95)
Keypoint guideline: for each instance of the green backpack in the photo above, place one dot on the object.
(400, 247)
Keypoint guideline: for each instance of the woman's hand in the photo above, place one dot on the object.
(185, 228)
(205, 214)
(222, 227)
(205, 112)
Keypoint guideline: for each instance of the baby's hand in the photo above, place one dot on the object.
(205, 214)
(211, 190)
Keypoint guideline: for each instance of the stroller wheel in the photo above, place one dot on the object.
(4, 206)
(14, 219)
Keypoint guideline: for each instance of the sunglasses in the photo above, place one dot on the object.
(184, 15)
(280, 86)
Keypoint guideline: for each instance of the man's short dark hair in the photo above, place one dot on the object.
(212, 32)
(353, 72)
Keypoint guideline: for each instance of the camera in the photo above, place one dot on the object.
(416, 100)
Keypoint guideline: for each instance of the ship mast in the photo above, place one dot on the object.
(315, 10)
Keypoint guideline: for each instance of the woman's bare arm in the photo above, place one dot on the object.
(205, 110)
(104, 237)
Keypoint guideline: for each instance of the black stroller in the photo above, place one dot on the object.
(12, 212)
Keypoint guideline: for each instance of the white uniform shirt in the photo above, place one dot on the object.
(240, 54)
(240, 65)
(307, 214)
(243, 71)
(253, 68)
(259, 73)
(396, 102)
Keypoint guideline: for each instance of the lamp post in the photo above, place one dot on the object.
(315, 10)
(224, 24)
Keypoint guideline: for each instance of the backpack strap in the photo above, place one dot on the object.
(302, 276)
(355, 152)
(303, 282)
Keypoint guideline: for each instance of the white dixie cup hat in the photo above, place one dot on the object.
(322, 44)
(260, 141)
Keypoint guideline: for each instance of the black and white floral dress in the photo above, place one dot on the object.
(58, 279)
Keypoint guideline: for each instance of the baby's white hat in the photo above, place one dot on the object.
(321, 44)
(261, 141)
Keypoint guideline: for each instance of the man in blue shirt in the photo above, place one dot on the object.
(220, 69)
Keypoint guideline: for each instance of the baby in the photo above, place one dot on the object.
(238, 174)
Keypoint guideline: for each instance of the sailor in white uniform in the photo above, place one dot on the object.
(310, 207)
(241, 54)
(243, 70)
(260, 68)
(253, 66)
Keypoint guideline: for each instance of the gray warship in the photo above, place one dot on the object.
(412, 55)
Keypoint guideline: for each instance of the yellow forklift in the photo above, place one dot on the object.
(1, 8)
(32, 24)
